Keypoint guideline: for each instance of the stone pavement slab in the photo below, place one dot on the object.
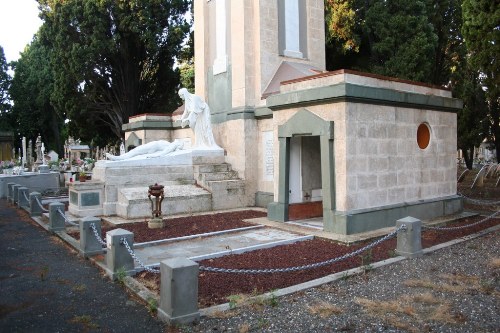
(216, 246)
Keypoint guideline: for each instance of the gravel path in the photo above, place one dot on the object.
(456, 289)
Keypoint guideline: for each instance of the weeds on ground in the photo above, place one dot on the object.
(84, 320)
(324, 309)
(120, 275)
(43, 272)
(152, 305)
(244, 328)
(80, 288)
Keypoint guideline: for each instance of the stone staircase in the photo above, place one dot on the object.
(228, 190)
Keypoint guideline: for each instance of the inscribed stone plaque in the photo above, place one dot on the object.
(90, 199)
(73, 198)
(268, 160)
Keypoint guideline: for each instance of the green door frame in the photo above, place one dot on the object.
(305, 123)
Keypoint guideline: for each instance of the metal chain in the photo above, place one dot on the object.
(304, 267)
(96, 234)
(481, 202)
(462, 226)
(65, 218)
(137, 260)
(37, 199)
(26, 196)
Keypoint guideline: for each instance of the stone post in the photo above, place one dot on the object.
(89, 245)
(56, 220)
(409, 242)
(117, 256)
(15, 193)
(10, 192)
(35, 209)
(23, 201)
(178, 291)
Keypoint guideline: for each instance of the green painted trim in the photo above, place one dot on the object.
(305, 123)
(263, 112)
(263, 199)
(348, 92)
(353, 222)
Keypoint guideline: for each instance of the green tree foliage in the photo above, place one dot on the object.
(113, 59)
(5, 119)
(31, 91)
(402, 41)
(416, 40)
(481, 30)
(472, 121)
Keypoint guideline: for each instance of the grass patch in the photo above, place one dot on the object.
(324, 309)
(494, 263)
(85, 321)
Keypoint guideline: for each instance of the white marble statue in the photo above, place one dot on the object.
(122, 148)
(149, 150)
(197, 116)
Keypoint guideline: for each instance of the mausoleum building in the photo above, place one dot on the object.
(358, 150)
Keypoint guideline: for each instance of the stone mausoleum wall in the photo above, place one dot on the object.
(382, 167)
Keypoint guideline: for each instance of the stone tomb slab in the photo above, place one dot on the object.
(217, 246)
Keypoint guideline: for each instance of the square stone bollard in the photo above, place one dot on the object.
(35, 208)
(24, 200)
(15, 193)
(56, 219)
(10, 192)
(179, 291)
(89, 244)
(409, 242)
(117, 255)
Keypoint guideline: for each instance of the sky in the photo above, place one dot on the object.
(18, 23)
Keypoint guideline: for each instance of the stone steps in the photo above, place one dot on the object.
(228, 190)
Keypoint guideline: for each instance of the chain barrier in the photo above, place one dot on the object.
(303, 267)
(480, 202)
(462, 226)
(26, 196)
(96, 234)
(66, 219)
(137, 260)
(37, 199)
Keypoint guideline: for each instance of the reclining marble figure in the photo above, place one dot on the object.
(197, 116)
(152, 149)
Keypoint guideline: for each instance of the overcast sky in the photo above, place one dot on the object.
(18, 23)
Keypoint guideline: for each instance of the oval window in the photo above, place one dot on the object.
(423, 136)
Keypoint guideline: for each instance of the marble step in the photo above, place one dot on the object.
(178, 199)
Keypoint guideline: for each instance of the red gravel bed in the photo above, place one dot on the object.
(184, 226)
(214, 288)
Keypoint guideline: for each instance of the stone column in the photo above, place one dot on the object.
(56, 219)
(23, 199)
(409, 242)
(89, 245)
(35, 208)
(179, 291)
(15, 193)
(117, 256)
(10, 192)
